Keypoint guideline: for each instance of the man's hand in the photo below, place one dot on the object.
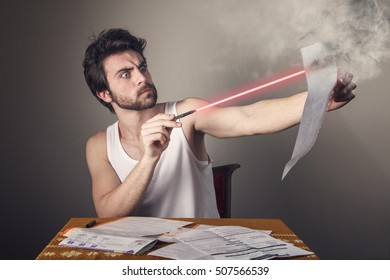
(343, 91)
(156, 134)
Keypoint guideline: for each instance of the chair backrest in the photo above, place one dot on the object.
(223, 185)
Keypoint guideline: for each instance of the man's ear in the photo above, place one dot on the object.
(104, 95)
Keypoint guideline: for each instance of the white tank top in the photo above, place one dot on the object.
(182, 186)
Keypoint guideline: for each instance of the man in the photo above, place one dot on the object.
(149, 164)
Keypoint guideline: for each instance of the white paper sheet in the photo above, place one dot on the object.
(321, 75)
(181, 251)
(139, 226)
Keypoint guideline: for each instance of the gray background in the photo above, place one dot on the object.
(337, 199)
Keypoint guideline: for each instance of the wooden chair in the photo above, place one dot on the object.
(223, 184)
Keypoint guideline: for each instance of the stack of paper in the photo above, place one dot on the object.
(132, 235)
(227, 242)
(135, 235)
(89, 239)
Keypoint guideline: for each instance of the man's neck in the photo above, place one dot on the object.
(130, 122)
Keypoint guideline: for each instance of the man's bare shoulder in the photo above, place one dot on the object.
(97, 142)
(190, 103)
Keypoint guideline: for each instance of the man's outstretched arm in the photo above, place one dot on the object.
(266, 116)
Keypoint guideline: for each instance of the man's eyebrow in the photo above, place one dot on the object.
(126, 68)
(143, 63)
(129, 68)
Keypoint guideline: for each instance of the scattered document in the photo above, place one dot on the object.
(132, 235)
(181, 251)
(140, 226)
(227, 242)
(136, 235)
(89, 239)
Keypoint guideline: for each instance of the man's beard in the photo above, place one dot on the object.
(141, 102)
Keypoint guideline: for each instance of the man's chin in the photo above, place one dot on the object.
(141, 107)
(144, 102)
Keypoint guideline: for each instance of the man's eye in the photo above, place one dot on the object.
(143, 68)
(125, 74)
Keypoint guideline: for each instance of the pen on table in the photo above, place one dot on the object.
(90, 224)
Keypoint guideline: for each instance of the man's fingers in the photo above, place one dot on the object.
(344, 77)
(156, 139)
(155, 130)
(162, 138)
(162, 117)
(345, 94)
(343, 90)
(351, 86)
(163, 120)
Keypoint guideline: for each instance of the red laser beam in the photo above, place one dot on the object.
(242, 93)
(252, 90)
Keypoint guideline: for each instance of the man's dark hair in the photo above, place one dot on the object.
(108, 42)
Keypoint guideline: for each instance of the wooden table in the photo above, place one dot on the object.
(53, 251)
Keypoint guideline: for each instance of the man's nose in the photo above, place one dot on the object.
(141, 77)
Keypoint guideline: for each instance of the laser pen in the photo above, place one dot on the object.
(184, 115)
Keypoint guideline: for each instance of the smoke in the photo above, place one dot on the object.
(273, 31)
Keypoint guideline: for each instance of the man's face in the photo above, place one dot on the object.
(129, 81)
